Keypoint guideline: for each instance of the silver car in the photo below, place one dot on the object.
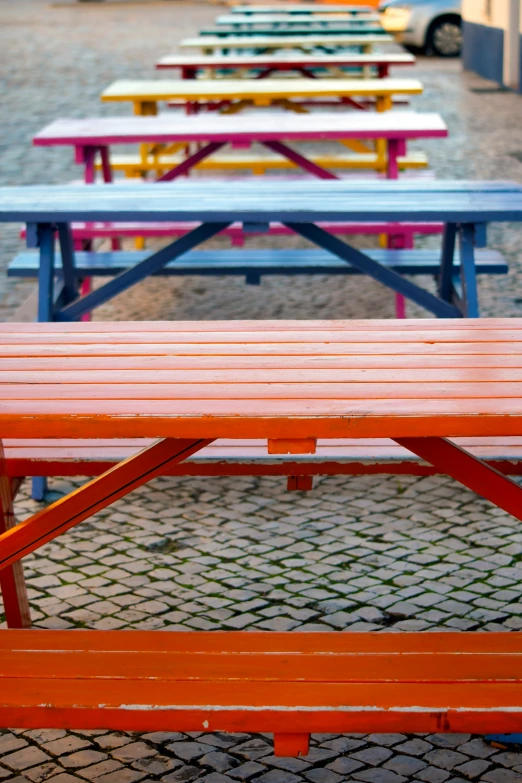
(432, 25)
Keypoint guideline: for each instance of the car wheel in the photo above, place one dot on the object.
(444, 37)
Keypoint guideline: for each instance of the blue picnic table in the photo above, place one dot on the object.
(297, 28)
(309, 9)
(465, 208)
(276, 22)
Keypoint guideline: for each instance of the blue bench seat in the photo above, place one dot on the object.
(254, 264)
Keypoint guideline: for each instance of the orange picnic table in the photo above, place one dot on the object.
(286, 383)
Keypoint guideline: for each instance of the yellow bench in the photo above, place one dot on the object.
(135, 165)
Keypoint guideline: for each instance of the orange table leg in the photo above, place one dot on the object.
(302, 483)
(291, 744)
(115, 483)
(12, 582)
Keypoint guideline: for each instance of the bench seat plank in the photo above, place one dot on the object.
(241, 127)
(263, 262)
(261, 163)
(250, 458)
(261, 681)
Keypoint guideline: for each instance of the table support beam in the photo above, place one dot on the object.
(191, 161)
(299, 160)
(102, 491)
(470, 471)
(130, 277)
(318, 236)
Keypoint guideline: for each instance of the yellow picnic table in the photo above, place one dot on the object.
(210, 44)
(232, 95)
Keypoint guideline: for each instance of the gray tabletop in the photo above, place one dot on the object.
(301, 201)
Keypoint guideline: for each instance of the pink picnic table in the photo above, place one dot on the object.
(266, 64)
(94, 136)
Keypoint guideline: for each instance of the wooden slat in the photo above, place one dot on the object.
(250, 681)
(216, 352)
(262, 392)
(206, 337)
(263, 641)
(298, 59)
(481, 363)
(14, 381)
(259, 667)
(411, 325)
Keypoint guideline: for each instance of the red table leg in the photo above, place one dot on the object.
(12, 582)
(470, 471)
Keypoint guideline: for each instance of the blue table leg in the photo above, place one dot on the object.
(70, 276)
(504, 739)
(468, 274)
(445, 281)
(38, 487)
(46, 273)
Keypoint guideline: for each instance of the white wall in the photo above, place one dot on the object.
(492, 13)
(505, 15)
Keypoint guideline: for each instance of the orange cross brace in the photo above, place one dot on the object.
(470, 471)
(133, 472)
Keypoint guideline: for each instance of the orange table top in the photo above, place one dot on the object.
(257, 379)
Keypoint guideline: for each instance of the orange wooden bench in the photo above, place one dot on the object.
(291, 684)
(342, 457)
(291, 384)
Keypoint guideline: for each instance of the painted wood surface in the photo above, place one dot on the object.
(83, 457)
(235, 231)
(301, 201)
(304, 8)
(357, 22)
(233, 681)
(310, 9)
(261, 262)
(12, 583)
(289, 59)
(291, 26)
(248, 128)
(329, 402)
(255, 89)
(283, 42)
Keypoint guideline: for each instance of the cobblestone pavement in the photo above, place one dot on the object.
(355, 554)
